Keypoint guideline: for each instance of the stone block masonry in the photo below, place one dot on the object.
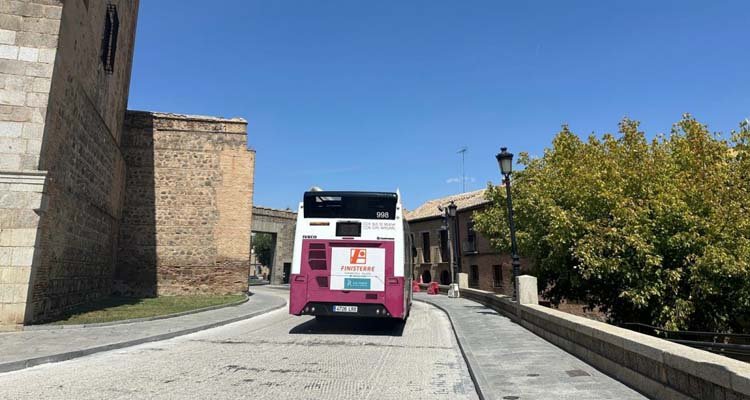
(80, 149)
(29, 32)
(68, 228)
(188, 205)
(22, 200)
(281, 224)
(61, 114)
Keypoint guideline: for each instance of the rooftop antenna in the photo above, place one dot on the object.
(462, 151)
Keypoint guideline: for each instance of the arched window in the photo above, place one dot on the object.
(445, 277)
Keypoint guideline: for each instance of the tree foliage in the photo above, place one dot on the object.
(647, 231)
(263, 245)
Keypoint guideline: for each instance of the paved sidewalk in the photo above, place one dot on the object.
(24, 349)
(509, 362)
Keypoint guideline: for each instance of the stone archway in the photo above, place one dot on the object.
(445, 277)
(426, 276)
(280, 224)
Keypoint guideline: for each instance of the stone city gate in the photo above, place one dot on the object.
(281, 225)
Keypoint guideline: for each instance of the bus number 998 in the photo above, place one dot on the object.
(382, 214)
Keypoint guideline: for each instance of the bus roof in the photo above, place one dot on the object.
(337, 204)
(351, 194)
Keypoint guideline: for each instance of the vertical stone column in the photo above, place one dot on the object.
(28, 44)
(29, 32)
(527, 290)
(22, 200)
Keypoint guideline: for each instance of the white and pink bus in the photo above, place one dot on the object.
(352, 256)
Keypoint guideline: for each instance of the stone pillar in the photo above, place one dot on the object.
(22, 200)
(463, 280)
(29, 33)
(527, 290)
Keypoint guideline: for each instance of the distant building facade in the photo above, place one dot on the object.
(486, 268)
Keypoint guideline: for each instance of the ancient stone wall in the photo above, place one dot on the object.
(61, 112)
(80, 151)
(188, 205)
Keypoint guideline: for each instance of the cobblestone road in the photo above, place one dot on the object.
(274, 356)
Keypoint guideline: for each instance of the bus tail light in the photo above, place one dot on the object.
(393, 281)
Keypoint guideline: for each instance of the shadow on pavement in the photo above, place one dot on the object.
(350, 326)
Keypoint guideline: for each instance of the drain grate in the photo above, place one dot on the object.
(511, 398)
(577, 372)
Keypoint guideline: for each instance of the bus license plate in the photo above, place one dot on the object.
(344, 308)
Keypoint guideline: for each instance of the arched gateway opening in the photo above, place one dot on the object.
(445, 277)
(273, 236)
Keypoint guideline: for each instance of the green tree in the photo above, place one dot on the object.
(263, 247)
(647, 231)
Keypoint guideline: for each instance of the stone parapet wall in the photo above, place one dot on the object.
(188, 202)
(658, 368)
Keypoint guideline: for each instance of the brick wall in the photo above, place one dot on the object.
(188, 205)
(485, 258)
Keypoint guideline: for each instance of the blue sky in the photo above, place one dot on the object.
(375, 95)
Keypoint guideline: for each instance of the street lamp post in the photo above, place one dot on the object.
(505, 161)
(452, 239)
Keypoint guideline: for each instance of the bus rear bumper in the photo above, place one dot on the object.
(346, 310)
(302, 302)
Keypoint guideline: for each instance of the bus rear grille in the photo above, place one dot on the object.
(317, 258)
(322, 281)
(317, 254)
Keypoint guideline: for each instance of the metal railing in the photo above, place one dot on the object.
(733, 345)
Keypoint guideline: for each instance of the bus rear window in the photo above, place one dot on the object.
(362, 205)
(351, 229)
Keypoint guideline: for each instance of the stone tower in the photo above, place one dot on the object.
(64, 79)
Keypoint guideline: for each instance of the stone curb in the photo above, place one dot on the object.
(31, 362)
(134, 320)
(476, 376)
